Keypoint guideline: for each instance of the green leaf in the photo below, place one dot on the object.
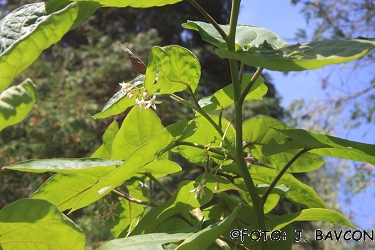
(90, 166)
(119, 101)
(127, 214)
(204, 238)
(147, 152)
(30, 29)
(321, 144)
(37, 224)
(175, 69)
(16, 102)
(260, 131)
(134, 4)
(65, 190)
(311, 214)
(156, 241)
(138, 128)
(105, 150)
(201, 132)
(224, 97)
(304, 56)
(162, 168)
(298, 193)
(245, 35)
(173, 215)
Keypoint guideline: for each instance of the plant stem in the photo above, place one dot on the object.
(213, 150)
(257, 202)
(248, 87)
(134, 200)
(282, 172)
(209, 18)
(157, 182)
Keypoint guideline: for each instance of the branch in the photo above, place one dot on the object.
(252, 81)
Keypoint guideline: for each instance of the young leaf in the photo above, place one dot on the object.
(245, 35)
(175, 69)
(304, 56)
(16, 102)
(120, 101)
(259, 131)
(224, 97)
(90, 166)
(323, 145)
(39, 25)
(310, 214)
(37, 224)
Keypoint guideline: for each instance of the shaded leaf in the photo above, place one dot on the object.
(30, 29)
(37, 224)
(16, 102)
(321, 144)
(175, 69)
(224, 97)
(252, 36)
(304, 56)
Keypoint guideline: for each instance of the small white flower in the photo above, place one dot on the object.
(198, 191)
(142, 103)
(126, 86)
(152, 102)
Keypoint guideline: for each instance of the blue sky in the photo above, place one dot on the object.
(284, 19)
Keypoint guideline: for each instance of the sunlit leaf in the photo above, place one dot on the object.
(162, 168)
(245, 35)
(30, 29)
(224, 97)
(175, 69)
(119, 101)
(135, 4)
(89, 166)
(37, 224)
(259, 131)
(304, 56)
(16, 102)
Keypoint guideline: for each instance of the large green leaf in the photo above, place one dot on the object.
(90, 166)
(304, 56)
(298, 193)
(173, 215)
(138, 127)
(224, 97)
(310, 214)
(144, 154)
(65, 190)
(204, 238)
(16, 102)
(321, 144)
(156, 241)
(162, 168)
(245, 35)
(105, 150)
(135, 4)
(259, 131)
(175, 69)
(28, 30)
(120, 101)
(37, 224)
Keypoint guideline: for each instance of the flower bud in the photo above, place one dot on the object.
(204, 181)
(217, 187)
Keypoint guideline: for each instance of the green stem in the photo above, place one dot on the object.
(134, 200)
(248, 87)
(257, 202)
(209, 18)
(213, 150)
(282, 172)
(157, 182)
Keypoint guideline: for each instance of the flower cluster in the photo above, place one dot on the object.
(130, 89)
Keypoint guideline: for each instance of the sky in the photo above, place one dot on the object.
(284, 19)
